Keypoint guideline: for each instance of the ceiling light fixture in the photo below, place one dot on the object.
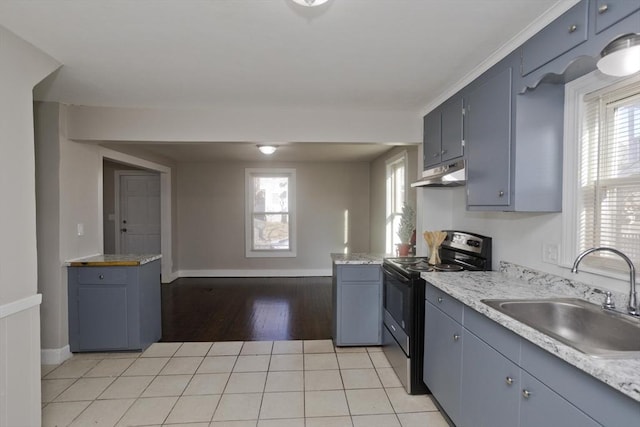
(310, 3)
(621, 57)
(267, 149)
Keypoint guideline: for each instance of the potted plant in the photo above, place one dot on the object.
(405, 229)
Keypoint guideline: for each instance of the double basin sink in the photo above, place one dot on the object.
(577, 323)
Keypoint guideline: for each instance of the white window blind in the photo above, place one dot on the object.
(396, 196)
(609, 196)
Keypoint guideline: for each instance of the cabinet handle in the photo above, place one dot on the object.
(500, 193)
(603, 8)
(456, 337)
(573, 28)
(444, 152)
(439, 299)
(526, 393)
(436, 154)
(101, 276)
(393, 328)
(509, 380)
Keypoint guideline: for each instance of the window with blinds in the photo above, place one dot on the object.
(609, 195)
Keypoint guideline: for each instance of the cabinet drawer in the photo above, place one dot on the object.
(562, 35)
(498, 337)
(444, 302)
(102, 276)
(358, 273)
(609, 12)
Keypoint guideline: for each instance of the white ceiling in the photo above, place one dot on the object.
(360, 54)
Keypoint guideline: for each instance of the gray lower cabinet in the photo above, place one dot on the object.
(357, 305)
(114, 308)
(490, 393)
(490, 377)
(443, 359)
(542, 406)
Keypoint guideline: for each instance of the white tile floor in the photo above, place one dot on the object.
(233, 384)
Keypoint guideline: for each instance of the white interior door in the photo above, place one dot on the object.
(139, 214)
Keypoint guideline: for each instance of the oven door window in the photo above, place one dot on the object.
(396, 299)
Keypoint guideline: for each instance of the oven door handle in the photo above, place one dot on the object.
(395, 275)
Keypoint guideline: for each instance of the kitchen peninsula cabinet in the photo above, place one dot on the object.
(114, 303)
(357, 304)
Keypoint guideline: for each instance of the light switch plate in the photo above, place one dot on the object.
(80, 229)
(550, 252)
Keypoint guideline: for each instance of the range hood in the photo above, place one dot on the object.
(447, 175)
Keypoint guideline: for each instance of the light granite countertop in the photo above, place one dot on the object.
(514, 282)
(357, 258)
(107, 260)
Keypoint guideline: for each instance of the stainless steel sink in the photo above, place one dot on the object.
(578, 323)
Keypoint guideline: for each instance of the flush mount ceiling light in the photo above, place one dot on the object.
(267, 149)
(310, 3)
(621, 57)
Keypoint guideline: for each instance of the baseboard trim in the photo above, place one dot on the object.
(55, 356)
(170, 277)
(255, 273)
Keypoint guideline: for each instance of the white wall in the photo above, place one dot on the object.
(228, 124)
(517, 237)
(21, 67)
(211, 218)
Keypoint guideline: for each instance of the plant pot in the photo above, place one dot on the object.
(403, 249)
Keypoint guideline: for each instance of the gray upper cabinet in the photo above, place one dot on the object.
(610, 12)
(562, 35)
(432, 138)
(452, 128)
(443, 132)
(488, 136)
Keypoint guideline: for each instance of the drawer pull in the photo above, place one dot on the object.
(573, 28)
(603, 8)
(101, 276)
(526, 393)
(456, 337)
(500, 193)
(509, 380)
(440, 299)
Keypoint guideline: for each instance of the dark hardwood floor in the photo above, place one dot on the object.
(246, 309)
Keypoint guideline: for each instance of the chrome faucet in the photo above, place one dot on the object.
(632, 308)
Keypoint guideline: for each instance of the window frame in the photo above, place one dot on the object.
(390, 163)
(574, 107)
(251, 173)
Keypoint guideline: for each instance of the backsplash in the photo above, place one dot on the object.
(560, 284)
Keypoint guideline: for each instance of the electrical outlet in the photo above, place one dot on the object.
(80, 229)
(550, 252)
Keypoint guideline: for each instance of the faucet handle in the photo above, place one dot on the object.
(608, 302)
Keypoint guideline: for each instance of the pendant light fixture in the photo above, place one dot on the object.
(267, 149)
(621, 57)
(310, 3)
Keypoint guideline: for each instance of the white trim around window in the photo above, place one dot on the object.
(575, 93)
(287, 213)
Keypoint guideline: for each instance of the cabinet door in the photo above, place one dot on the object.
(488, 142)
(360, 313)
(541, 406)
(490, 395)
(102, 317)
(443, 359)
(452, 122)
(609, 12)
(432, 138)
(563, 34)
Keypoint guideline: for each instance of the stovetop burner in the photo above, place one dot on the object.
(447, 267)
